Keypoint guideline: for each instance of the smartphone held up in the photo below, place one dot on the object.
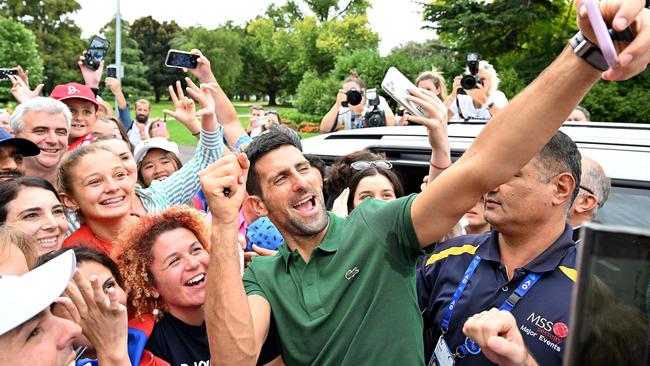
(96, 52)
(4, 73)
(182, 59)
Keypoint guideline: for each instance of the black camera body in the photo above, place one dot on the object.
(354, 98)
(471, 80)
(375, 117)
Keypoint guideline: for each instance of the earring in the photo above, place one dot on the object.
(155, 311)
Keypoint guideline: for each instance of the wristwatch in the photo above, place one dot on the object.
(588, 51)
(490, 105)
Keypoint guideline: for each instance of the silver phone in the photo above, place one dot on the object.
(397, 86)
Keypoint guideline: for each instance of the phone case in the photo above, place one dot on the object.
(397, 86)
(602, 35)
(191, 65)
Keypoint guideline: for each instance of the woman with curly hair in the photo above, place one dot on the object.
(164, 260)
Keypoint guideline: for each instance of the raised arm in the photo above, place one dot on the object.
(181, 186)
(226, 112)
(123, 110)
(515, 135)
(331, 117)
(237, 325)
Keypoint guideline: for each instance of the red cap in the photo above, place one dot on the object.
(73, 91)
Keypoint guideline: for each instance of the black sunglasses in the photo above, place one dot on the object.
(363, 164)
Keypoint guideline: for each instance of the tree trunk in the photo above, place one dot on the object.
(272, 95)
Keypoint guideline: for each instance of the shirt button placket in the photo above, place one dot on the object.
(310, 290)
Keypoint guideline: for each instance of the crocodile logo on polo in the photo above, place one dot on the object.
(351, 273)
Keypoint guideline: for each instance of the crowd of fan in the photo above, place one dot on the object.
(114, 252)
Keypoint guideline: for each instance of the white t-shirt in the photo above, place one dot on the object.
(470, 112)
(345, 120)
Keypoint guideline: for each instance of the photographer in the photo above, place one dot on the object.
(354, 108)
(474, 95)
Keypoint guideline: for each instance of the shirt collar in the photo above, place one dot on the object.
(330, 243)
(545, 262)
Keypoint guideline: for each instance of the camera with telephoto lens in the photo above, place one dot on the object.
(375, 117)
(471, 80)
(354, 98)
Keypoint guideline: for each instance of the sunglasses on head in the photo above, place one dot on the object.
(363, 164)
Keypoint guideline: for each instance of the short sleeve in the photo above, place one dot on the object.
(391, 222)
(251, 286)
(499, 99)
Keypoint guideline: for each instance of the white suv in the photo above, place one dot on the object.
(623, 149)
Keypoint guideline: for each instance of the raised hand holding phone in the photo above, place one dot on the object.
(181, 59)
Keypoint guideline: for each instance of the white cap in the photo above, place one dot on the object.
(154, 143)
(22, 297)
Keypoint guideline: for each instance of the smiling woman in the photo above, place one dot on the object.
(32, 206)
(164, 261)
(99, 193)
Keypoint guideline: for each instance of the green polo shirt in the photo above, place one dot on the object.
(354, 302)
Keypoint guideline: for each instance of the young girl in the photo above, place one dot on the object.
(100, 193)
(181, 186)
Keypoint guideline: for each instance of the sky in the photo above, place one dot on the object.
(396, 21)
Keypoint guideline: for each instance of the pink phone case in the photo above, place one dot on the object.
(602, 35)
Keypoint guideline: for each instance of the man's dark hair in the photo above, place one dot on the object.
(10, 191)
(560, 155)
(260, 146)
(317, 163)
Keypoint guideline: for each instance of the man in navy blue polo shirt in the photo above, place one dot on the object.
(524, 266)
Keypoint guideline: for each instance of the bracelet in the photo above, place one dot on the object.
(438, 167)
(197, 134)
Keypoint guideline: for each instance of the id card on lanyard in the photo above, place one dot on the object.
(443, 355)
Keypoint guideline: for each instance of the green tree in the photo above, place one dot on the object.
(221, 46)
(134, 83)
(58, 38)
(326, 10)
(18, 47)
(315, 94)
(316, 45)
(267, 56)
(153, 39)
(523, 34)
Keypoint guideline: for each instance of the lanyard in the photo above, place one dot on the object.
(469, 346)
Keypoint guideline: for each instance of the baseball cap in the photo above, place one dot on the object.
(154, 143)
(22, 297)
(73, 91)
(26, 147)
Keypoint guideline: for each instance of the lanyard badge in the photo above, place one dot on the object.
(442, 353)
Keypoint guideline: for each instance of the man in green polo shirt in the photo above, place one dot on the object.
(342, 291)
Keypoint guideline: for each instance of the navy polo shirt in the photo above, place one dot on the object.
(542, 314)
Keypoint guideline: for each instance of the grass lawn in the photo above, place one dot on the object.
(179, 134)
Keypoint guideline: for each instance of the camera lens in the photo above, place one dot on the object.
(354, 97)
(468, 82)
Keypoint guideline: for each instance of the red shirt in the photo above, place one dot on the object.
(84, 237)
(81, 141)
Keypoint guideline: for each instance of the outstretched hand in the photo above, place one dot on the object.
(635, 56)
(496, 332)
(203, 70)
(91, 77)
(436, 124)
(185, 110)
(102, 318)
(20, 87)
(340, 206)
(224, 186)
